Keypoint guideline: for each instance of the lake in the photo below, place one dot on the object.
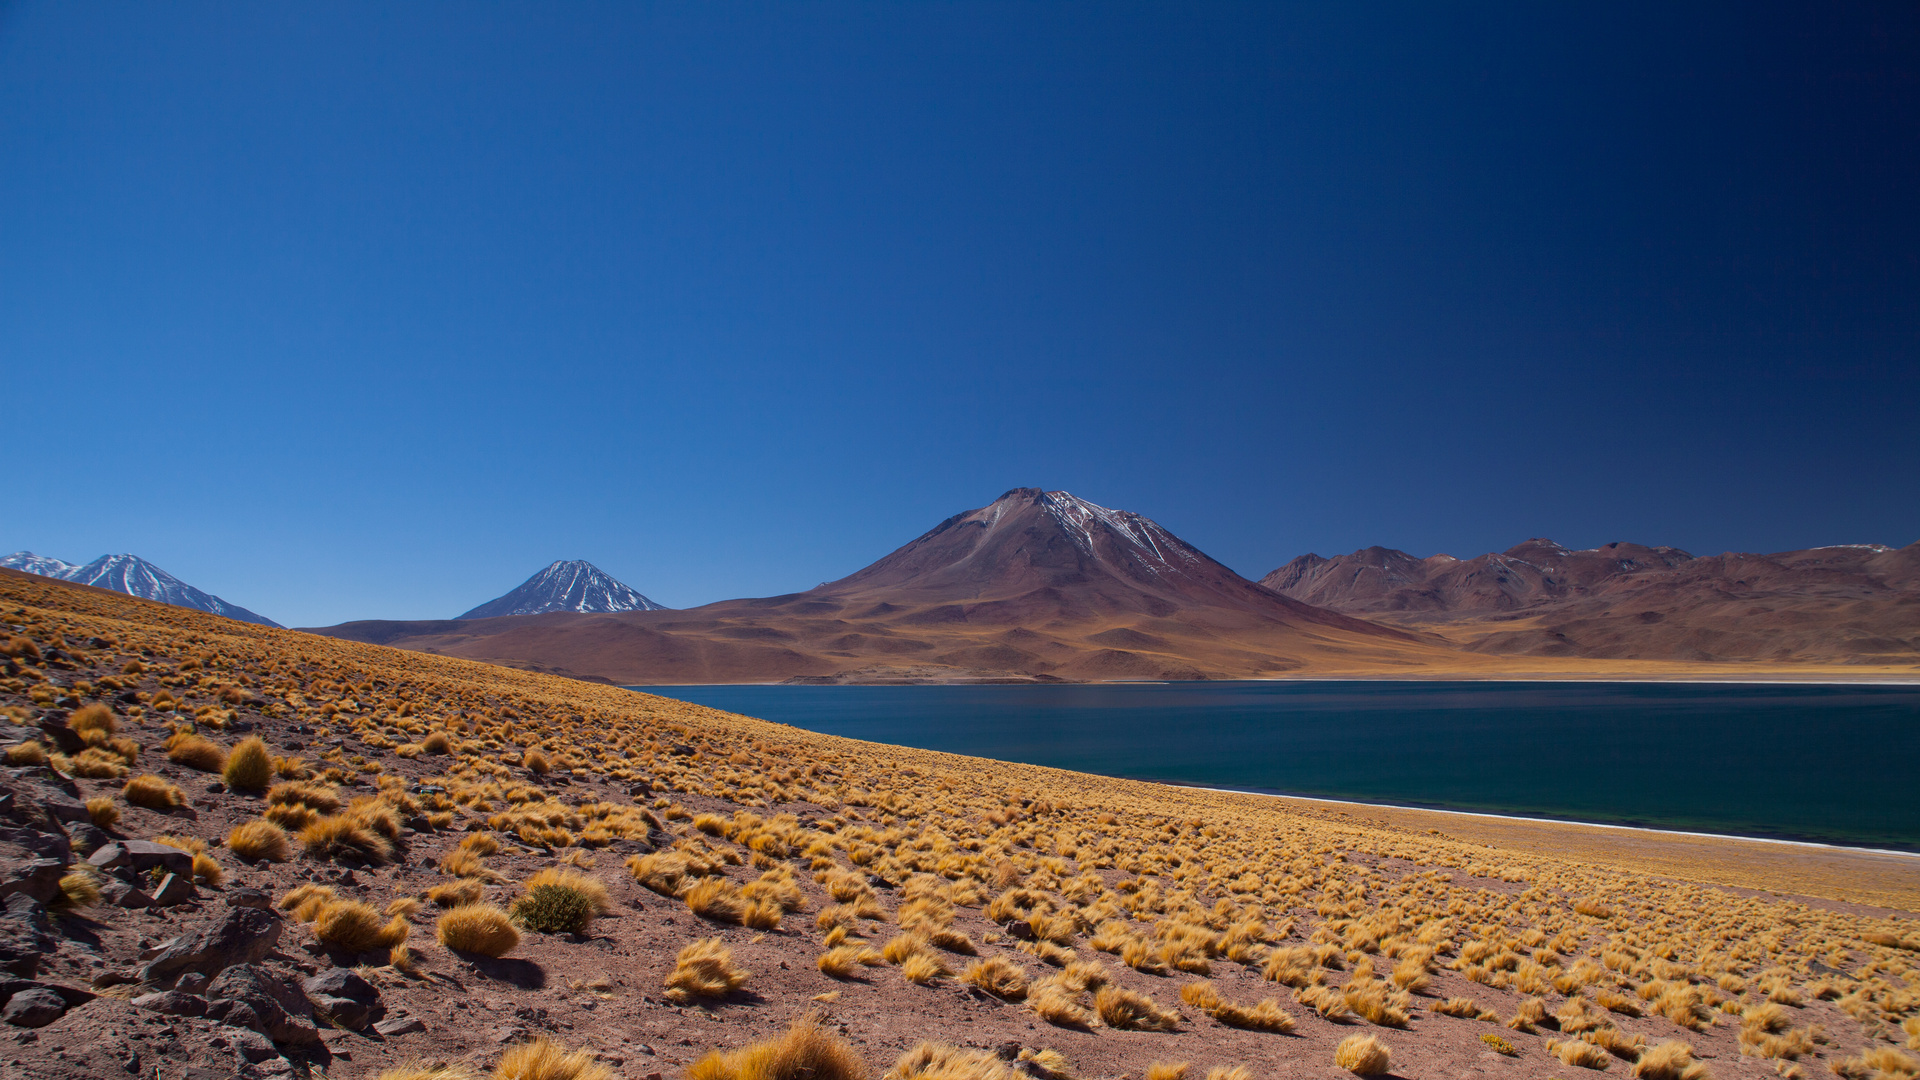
(1837, 764)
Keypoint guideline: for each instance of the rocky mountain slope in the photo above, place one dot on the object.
(1035, 585)
(1856, 603)
(134, 576)
(234, 851)
(567, 585)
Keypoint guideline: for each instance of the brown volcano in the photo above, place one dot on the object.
(1852, 604)
(1036, 585)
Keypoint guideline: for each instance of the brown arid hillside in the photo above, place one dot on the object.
(1037, 585)
(1856, 604)
(233, 850)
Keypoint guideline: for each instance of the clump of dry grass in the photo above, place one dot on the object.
(1363, 1055)
(1876, 1063)
(79, 888)
(31, 753)
(257, 841)
(1168, 1070)
(1465, 1008)
(1130, 1010)
(997, 976)
(102, 811)
(153, 793)
(206, 870)
(704, 969)
(457, 893)
(426, 1072)
(345, 836)
(249, 766)
(544, 1059)
(1579, 1052)
(1265, 1016)
(804, 1052)
(354, 927)
(481, 929)
(1670, 1061)
(195, 752)
(938, 1061)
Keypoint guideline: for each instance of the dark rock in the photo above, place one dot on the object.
(399, 1025)
(34, 1008)
(238, 936)
(252, 1046)
(216, 788)
(25, 935)
(141, 856)
(120, 894)
(172, 1003)
(88, 838)
(192, 983)
(63, 807)
(174, 889)
(250, 898)
(281, 1010)
(37, 878)
(341, 995)
(53, 726)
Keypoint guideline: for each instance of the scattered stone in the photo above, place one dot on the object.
(249, 898)
(341, 995)
(34, 1008)
(88, 837)
(37, 878)
(172, 1003)
(279, 1009)
(174, 889)
(238, 936)
(120, 894)
(25, 935)
(399, 1025)
(192, 982)
(141, 856)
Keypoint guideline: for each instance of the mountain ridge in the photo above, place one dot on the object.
(1847, 603)
(565, 585)
(134, 576)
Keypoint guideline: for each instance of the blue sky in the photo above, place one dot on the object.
(349, 311)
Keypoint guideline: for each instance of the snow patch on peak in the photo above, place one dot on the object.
(134, 576)
(566, 585)
(38, 564)
(1155, 546)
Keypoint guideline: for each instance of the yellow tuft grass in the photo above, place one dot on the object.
(102, 811)
(354, 927)
(804, 1052)
(27, 754)
(1363, 1055)
(1579, 1052)
(997, 976)
(704, 969)
(249, 766)
(938, 1061)
(1129, 1010)
(1168, 1070)
(586, 885)
(153, 793)
(345, 836)
(457, 893)
(195, 753)
(1670, 1061)
(544, 1059)
(1265, 1016)
(426, 1072)
(257, 841)
(480, 929)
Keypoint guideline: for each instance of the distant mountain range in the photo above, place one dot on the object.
(134, 576)
(1853, 603)
(1037, 585)
(567, 585)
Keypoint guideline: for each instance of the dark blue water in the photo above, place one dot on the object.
(1839, 764)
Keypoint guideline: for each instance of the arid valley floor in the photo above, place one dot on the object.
(352, 870)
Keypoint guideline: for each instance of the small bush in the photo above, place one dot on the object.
(94, 763)
(805, 1052)
(543, 1059)
(997, 976)
(249, 766)
(437, 743)
(153, 793)
(586, 885)
(1130, 1011)
(1363, 1055)
(196, 753)
(481, 929)
(258, 841)
(321, 798)
(102, 811)
(554, 909)
(1500, 1045)
(537, 762)
(26, 754)
(354, 927)
(704, 969)
(457, 893)
(923, 968)
(343, 836)
(716, 898)
(306, 901)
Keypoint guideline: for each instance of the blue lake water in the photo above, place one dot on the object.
(1839, 764)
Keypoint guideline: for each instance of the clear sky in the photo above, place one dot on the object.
(371, 310)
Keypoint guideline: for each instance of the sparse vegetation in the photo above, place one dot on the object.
(544, 1059)
(153, 793)
(1363, 1055)
(704, 969)
(258, 841)
(804, 1052)
(249, 765)
(480, 929)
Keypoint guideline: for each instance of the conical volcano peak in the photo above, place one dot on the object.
(566, 585)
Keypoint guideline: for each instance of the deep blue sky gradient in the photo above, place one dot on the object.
(345, 311)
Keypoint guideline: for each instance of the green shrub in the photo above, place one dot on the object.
(554, 909)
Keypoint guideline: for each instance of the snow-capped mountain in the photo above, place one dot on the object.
(567, 585)
(134, 576)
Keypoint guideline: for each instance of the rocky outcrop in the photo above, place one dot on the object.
(237, 936)
(250, 996)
